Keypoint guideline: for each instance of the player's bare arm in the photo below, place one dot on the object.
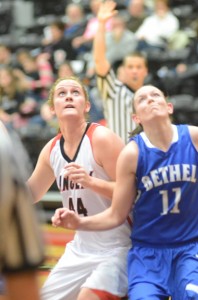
(106, 11)
(106, 149)
(42, 177)
(123, 198)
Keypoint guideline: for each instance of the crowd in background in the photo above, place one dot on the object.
(166, 32)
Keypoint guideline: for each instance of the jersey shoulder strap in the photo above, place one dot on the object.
(91, 129)
(57, 137)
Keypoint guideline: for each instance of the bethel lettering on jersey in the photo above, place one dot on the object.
(167, 191)
(167, 174)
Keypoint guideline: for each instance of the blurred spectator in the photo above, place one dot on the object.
(96, 113)
(36, 75)
(20, 55)
(192, 57)
(186, 73)
(150, 5)
(57, 45)
(6, 58)
(65, 69)
(136, 14)
(11, 96)
(119, 39)
(84, 42)
(17, 107)
(75, 20)
(157, 29)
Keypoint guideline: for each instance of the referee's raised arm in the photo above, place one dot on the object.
(106, 11)
(117, 91)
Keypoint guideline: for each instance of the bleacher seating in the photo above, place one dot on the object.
(29, 35)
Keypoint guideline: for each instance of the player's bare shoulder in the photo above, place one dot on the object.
(106, 145)
(45, 152)
(128, 158)
(103, 136)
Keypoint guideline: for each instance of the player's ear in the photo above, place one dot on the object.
(87, 106)
(135, 118)
(170, 108)
(52, 110)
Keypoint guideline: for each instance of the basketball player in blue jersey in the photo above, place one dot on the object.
(82, 160)
(157, 178)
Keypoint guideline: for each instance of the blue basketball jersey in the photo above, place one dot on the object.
(166, 209)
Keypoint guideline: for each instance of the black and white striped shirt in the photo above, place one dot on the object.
(117, 102)
(21, 242)
(21, 246)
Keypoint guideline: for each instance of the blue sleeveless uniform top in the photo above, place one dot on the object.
(165, 213)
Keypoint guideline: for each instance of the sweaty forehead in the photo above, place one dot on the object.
(67, 84)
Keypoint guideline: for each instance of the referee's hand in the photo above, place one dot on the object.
(106, 11)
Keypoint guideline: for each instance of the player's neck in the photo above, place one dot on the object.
(73, 137)
(74, 132)
(160, 136)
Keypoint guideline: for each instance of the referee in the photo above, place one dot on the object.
(116, 94)
(21, 243)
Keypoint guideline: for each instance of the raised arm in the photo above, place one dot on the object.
(106, 11)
